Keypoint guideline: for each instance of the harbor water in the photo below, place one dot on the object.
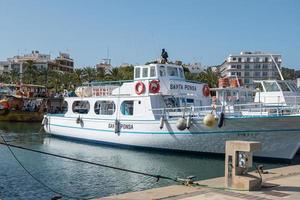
(87, 181)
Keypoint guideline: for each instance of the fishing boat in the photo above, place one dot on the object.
(22, 103)
(160, 109)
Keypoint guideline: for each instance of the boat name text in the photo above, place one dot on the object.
(182, 87)
(122, 126)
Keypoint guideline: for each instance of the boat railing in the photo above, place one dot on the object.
(230, 110)
(103, 88)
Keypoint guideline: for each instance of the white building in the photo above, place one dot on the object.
(19, 63)
(41, 61)
(195, 68)
(5, 67)
(250, 66)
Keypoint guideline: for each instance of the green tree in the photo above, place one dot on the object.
(5, 77)
(209, 77)
(30, 73)
(89, 74)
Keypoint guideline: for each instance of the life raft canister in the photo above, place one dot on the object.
(206, 91)
(139, 88)
(154, 86)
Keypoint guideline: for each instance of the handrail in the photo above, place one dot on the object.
(106, 82)
(248, 109)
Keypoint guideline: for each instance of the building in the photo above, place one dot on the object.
(41, 61)
(19, 63)
(5, 67)
(250, 66)
(104, 65)
(62, 63)
(195, 68)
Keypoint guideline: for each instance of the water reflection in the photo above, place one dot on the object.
(85, 180)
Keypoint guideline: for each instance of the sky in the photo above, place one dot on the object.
(135, 31)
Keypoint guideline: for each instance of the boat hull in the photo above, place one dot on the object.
(21, 116)
(280, 136)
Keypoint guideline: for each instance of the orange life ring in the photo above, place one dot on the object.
(206, 91)
(139, 88)
(154, 86)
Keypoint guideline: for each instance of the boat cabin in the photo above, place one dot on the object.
(277, 92)
(154, 87)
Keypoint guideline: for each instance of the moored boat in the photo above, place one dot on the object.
(22, 103)
(160, 109)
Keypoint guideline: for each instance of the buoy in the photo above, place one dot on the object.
(181, 124)
(161, 122)
(221, 120)
(188, 122)
(209, 120)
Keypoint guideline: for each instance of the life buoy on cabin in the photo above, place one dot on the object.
(154, 86)
(206, 90)
(139, 88)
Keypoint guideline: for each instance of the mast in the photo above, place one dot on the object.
(278, 69)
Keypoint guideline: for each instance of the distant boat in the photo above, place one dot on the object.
(22, 103)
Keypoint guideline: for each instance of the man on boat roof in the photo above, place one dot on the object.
(164, 56)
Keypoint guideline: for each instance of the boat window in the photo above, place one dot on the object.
(180, 72)
(145, 72)
(271, 87)
(284, 87)
(259, 86)
(162, 71)
(190, 100)
(137, 72)
(105, 107)
(152, 71)
(172, 102)
(81, 107)
(127, 108)
(293, 86)
(172, 71)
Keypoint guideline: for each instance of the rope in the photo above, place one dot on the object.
(35, 178)
(158, 177)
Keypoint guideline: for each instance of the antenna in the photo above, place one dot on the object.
(107, 52)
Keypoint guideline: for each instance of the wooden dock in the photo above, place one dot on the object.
(279, 183)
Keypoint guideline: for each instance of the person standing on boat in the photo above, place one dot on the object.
(164, 56)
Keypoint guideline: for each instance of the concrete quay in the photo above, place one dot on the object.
(278, 183)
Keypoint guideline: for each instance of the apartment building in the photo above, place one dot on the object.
(250, 66)
(41, 61)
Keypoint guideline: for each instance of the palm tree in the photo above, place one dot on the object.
(31, 73)
(14, 76)
(126, 72)
(210, 77)
(114, 74)
(77, 76)
(100, 74)
(4, 77)
(89, 74)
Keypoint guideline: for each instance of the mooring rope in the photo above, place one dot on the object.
(35, 178)
(158, 177)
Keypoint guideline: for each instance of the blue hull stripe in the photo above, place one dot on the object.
(174, 120)
(181, 132)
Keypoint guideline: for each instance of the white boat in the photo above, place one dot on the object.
(159, 109)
